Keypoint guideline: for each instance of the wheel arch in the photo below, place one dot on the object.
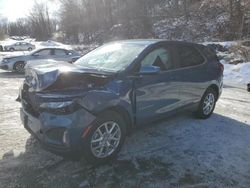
(14, 64)
(124, 113)
(215, 88)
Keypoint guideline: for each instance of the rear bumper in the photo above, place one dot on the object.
(59, 134)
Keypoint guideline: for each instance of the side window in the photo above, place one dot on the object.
(59, 52)
(159, 57)
(45, 52)
(208, 51)
(189, 56)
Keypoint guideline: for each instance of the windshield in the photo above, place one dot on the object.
(112, 57)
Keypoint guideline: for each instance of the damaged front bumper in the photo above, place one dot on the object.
(59, 134)
(4, 67)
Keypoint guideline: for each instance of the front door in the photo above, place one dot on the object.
(60, 55)
(157, 94)
(42, 54)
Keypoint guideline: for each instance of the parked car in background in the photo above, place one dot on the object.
(17, 63)
(87, 108)
(19, 46)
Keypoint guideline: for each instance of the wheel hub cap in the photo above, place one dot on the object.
(208, 104)
(105, 139)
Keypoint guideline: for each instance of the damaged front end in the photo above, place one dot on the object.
(52, 110)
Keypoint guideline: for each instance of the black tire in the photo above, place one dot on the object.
(202, 112)
(30, 49)
(102, 119)
(12, 49)
(19, 67)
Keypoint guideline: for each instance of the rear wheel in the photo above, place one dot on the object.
(30, 49)
(207, 104)
(19, 67)
(105, 138)
(12, 49)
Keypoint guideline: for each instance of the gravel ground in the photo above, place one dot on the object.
(178, 152)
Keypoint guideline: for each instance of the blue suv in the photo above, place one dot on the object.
(87, 108)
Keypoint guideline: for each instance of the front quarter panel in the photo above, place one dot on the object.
(116, 94)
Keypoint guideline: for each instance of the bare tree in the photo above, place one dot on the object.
(40, 22)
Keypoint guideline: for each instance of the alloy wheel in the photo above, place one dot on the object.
(19, 67)
(208, 104)
(105, 139)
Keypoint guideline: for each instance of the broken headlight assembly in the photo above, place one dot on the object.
(64, 107)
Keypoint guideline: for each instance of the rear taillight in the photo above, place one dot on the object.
(221, 66)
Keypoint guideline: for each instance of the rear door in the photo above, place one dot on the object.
(24, 46)
(18, 46)
(60, 55)
(192, 73)
(157, 94)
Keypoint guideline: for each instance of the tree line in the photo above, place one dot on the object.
(100, 20)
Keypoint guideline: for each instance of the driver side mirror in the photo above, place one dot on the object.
(145, 70)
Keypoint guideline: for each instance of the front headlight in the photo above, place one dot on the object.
(66, 107)
(56, 105)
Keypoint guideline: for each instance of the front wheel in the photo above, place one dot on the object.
(207, 104)
(19, 67)
(105, 138)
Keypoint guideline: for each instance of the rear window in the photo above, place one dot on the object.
(60, 52)
(189, 56)
(208, 51)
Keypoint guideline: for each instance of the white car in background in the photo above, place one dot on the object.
(19, 46)
(17, 63)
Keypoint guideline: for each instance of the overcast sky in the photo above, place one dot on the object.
(13, 9)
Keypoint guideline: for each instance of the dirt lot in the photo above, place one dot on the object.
(178, 152)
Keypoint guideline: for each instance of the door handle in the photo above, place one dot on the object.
(135, 77)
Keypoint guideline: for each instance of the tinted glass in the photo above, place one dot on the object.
(209, 52)
(60, 52)
(44, 52)
(189, 56)
(159, 57)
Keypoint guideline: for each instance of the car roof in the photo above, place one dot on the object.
(54, 47)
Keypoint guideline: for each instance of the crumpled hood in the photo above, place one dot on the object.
(53, 76)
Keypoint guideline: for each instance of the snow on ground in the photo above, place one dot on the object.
(239, 73)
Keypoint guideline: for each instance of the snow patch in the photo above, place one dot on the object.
(239, 73)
